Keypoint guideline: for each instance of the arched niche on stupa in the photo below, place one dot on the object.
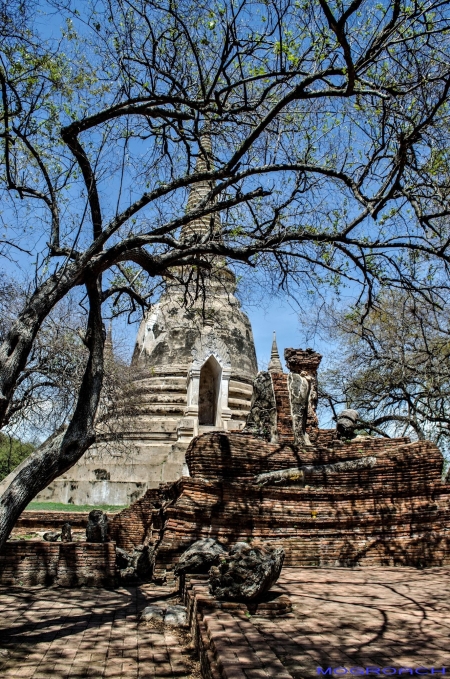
(209, 392)
(207, 385)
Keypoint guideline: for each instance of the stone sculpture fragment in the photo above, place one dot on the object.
(172, 615)
(262, 419)
(346, 424)
(66, 532)
(97, 527)
(199, 557)
(313, 474)
(299, 389)
(247, 572)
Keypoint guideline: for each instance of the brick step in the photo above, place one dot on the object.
(230, 646)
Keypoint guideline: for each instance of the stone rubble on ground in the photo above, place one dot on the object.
(200, 556)
(122, 558)
(134, 565)
(176, 616)
(153, 614)
(247, 572)
(172, 615)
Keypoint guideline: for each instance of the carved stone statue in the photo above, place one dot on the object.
(262, 419)
(97, 527)
(280, 406)
(66, 532)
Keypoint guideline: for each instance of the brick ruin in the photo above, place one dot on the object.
(361, 502)
(61, 564)
(387, 505)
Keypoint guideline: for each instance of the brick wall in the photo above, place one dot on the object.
(66, 564)
(395, 513)
(324, 437)
(316, 527)
(51, 520)
(240, 456)
(221, 633)
(141, 522)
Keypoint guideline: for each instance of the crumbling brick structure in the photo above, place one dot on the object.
(305, 362)
(283, 408)
(371, 501)
(394, 513)
(63, 564)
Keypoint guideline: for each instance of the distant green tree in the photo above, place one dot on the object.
(12, 453)
(47, 390)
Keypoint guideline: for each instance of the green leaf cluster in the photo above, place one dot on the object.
(12, 453)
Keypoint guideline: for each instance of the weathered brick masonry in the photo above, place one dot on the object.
(391, 509)
(222, 633)
(67, 564)
(137, 524)
(284, 416)
(32, 519)
(241, 457)
(395, 513)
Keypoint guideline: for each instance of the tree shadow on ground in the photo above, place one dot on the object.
(358, 621)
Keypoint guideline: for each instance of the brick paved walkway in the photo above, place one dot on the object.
(88, 633)
(380, 617)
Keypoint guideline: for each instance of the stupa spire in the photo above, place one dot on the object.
(275, 363)
(108, 347)
(200, 189)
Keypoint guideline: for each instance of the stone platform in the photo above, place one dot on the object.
(342, 618)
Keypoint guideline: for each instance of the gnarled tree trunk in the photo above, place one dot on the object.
(64, 448)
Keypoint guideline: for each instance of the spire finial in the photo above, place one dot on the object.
(275, 363)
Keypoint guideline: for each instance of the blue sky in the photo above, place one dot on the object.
(272, 314)
(278, 316)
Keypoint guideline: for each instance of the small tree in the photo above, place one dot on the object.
(46, 390)
(393, 368)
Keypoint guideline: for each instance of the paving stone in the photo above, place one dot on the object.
(386, 617)
(382, 617)
(70, 634)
